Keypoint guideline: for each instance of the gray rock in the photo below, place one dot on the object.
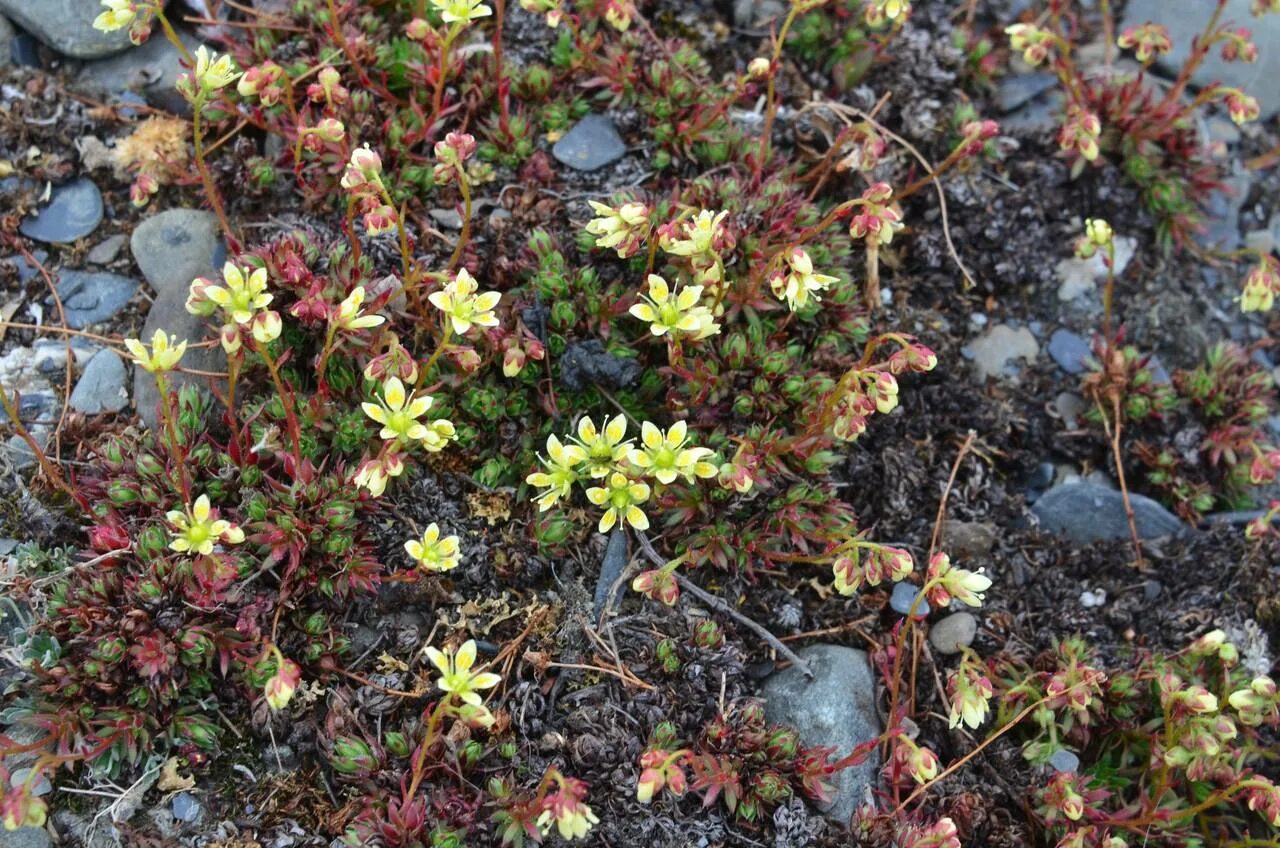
(953, 633)
(588, 363)
(186, 808)
(280, 757)
(107, 250)
(39, 787)
(74, 210)
(1037, 117)
(995, 350)
(837, 709)
(1077, 277)
(1017, 90)
(1069, 350)
(904, 597)
(24, 51)
(101, 388)
(66, 26)
(1185, 20)
(169, 313)
(176, 246)
(24, 268)
(1222, 209)
(19, 454)
(1064, 761)
(1071, 408)
(611, 568)
(26, 837)
(968, 539)
(7, 34)
(1086, 512)
(151, 70)
(748, 14)
(92, 296)
(591, 144)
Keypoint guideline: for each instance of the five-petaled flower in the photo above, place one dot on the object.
(456, 676)
(464, 304)
(623, 229)
(164, 354)
(560, 472)
(874, 219)
(603, 449)
(1148, 41)
(671, 312)
(620, 497)
(801, 284)
(244, 292)
(667, 456)
(347, 316)
(947, 582)
(461, 11)
(433, 552)
(196, 530)
(398, 413)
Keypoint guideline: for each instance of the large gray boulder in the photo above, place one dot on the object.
(67, 26)
(1086, 512)
(836, 709)
(1185, 19)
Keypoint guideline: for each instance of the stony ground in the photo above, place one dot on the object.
(1036, 503)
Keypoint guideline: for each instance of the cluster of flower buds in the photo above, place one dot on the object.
(865, 393)
(1080, 133)
(363, 178)
(975, 135)
(1033, 41)
(1257, 704)
(1238, 46)
(1215, 643)
(1148, 41)
(263, 82)
(910, 760)
(624, 229)
(1264, 799)
(660, 770)
(243, 298)
(1241, 108)
(659, 584)
(947, 583)
(1063, 797)
(1258, 8)
(619, 13)
(940, 834)
(1261, 286)
(328, 88)
(874, 218)
(1097, 236)
(19, 808)
(861, 562)
(136, 15)
(704, 240)
(518, 348)
(1075, 687)
(452, 152)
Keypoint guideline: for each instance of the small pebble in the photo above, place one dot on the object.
(904, 595)
(1064, 761)
(1091, 598)
(185, 807)
(953, 633)
(1151, 590)
(74, 210)
(977, 319)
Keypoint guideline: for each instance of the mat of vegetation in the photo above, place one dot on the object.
(626, 422)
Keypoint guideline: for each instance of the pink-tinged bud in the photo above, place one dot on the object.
(379, 220)
(418, 29)
(105, 537)
(658, 585)
(266, 326)
(142, 190)
(1241, 108)
(229, 336)
(456, 147)
(19, 808)
(465, 358)
(513, 359)
(759, 67)
(330, 130)
(280, 688)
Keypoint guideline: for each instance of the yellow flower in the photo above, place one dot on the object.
(162, 357)
(561, 472)
(573, 823)
(620, 498)
(464, 307)
(432, 552)
(623, 229)
(603, 449)
(700, 235)
(666, 457)
(240, 298)
(456, 676)
(667, 312)
(119, 14)
(398, 413)
(452, 11)
(348, 316)
(212, 71)
(802, 283)
(374, 473)
(195, 531)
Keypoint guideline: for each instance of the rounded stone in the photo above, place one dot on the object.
(74, 210)
(953, 633)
